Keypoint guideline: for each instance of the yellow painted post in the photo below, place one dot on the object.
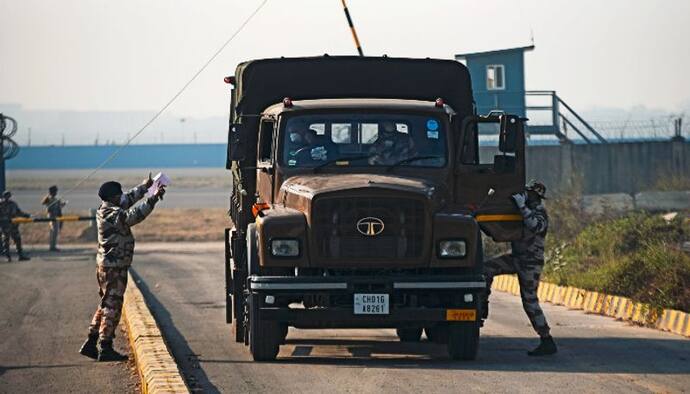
(515, 287)
(686, 332)
(587, 304)
(638, 316)
(676, 320)
(599, 305)
(561, 295)
(549, 292)
(622, 306)
(567, 295)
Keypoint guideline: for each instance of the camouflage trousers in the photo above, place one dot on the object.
(112, 283)
(11, 232)
(528, 273)
(55, 228)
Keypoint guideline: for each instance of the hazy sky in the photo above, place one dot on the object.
(130, 55)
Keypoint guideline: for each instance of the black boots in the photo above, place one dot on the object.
(107, 353)
(546, 346)
(103, 352)
(89, 348)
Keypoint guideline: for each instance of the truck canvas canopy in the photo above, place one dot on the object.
(303, 78)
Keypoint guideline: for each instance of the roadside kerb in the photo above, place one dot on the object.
(157, 368)
(621, 308)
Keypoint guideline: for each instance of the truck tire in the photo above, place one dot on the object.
(264, 336)
(409, 334)
(238, 321)
(463, 340)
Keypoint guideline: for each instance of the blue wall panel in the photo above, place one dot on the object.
(133, 156)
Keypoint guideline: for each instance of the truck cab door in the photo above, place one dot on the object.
(483, 165)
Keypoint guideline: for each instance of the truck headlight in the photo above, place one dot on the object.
(285, 247)
(452, 249)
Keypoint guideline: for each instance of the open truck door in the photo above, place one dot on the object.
(501, 169)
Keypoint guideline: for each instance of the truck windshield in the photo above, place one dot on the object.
(364, 140)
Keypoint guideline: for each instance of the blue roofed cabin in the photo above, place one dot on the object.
(498, 79)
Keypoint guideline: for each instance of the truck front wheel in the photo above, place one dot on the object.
(463, 340)
(264, 336)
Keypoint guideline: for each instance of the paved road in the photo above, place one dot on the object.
(184, 286)
(45, 307)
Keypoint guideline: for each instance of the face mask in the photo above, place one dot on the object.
(295, 138)
(123, 200)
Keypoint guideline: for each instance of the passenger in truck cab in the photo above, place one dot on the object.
(304, 147)
(391, 146)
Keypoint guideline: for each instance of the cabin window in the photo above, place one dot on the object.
(495, 77)
(341, 133)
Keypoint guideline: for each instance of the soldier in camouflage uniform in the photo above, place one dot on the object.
(527, 261)
(391, 146)
(114, 218)
(8, 211)
(54, 207)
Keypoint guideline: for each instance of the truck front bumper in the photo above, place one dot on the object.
(404, 293)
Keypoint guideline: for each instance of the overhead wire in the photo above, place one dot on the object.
(169, 102)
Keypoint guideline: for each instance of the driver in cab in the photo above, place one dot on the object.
(304, 147)
(391, 146)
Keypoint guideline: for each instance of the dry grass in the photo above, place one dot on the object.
(164, 225)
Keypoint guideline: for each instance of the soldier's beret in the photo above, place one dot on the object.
(109, 189)
(6, 194)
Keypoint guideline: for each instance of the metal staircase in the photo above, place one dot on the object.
(562, 119)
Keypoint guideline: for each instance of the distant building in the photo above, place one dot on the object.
(498, 79)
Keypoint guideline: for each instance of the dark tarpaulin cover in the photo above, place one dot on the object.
(261, 83)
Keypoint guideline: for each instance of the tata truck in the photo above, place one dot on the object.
(359, 199)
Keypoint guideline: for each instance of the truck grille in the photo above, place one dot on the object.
(336, 233)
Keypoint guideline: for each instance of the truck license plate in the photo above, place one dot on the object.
(371, 304)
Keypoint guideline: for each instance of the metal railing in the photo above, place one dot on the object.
(562, 118)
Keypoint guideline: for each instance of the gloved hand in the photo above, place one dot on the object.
(148, 182)
(520, 199)
(160, 193)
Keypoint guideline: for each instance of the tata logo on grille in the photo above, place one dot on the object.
(370, 226)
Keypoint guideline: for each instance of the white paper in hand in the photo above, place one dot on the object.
(159, 180)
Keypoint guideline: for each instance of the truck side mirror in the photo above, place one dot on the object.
(237, 137)
(509, 134)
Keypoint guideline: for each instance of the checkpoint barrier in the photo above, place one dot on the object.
(91, 230)
(621, 308)
(66, 218)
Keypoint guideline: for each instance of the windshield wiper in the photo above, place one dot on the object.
(329, 162)
(409, 160)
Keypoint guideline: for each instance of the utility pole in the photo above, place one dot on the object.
(352, 28)
(678, 129)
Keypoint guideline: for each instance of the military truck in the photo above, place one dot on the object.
(359, 197)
